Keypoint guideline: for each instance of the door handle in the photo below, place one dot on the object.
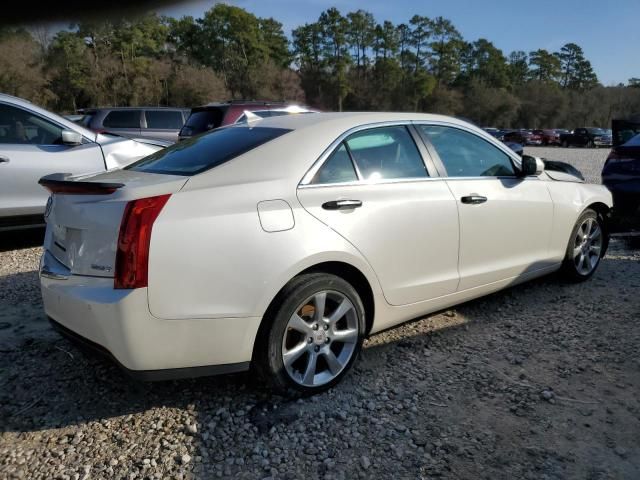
(341, 204)
(473, 199)
(4, 160)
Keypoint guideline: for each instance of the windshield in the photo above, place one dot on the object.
(597, 131)
(203, 152)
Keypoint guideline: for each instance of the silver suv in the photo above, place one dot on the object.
(136, 122)
(35, 143)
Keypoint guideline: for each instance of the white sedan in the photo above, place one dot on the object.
(282, 243)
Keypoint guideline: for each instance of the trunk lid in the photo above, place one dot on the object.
(83, 228)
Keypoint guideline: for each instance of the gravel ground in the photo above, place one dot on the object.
(588, 160)
(540, 381)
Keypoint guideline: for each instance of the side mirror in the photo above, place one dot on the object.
(69, 137)
(531, 166)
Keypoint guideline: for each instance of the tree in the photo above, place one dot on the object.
(70, 67)
(488, 105)
(544, 66)
(446, 47)
(518, 68)
(276, 42)
(335, 51)
(360, 34)
(486, 63)
(421, 32)
(575, 70)
(21, 69)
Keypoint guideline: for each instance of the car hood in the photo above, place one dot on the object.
(121, 151)
(562, 171)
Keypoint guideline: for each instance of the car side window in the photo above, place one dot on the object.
(18, 126)
(386, 153)
(122, 119)
(467, 155)
(164, 119)
(338, 168)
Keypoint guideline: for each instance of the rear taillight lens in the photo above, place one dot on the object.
(132, 257)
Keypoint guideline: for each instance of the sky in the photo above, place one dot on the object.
(606, 30)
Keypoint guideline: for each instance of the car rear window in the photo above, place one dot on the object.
(203, 120)
(633, 142)
(122, 119)
(203, 152)
(164, 119)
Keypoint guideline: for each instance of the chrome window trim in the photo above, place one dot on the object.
(306, 179)
(365, 183)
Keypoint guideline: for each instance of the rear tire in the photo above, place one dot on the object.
(585, 248)
(313, 335)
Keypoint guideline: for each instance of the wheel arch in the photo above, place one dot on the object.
(604, 211)
(341, 269)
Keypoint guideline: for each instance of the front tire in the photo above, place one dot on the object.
(585, 248)
(315, 333)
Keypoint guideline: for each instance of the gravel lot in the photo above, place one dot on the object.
(540, 381)
(588, 160)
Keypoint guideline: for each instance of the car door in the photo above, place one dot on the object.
(31, 147)
(374, 189)
(162, 124)
(505, 220)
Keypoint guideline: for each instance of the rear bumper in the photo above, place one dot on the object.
(118, 324)
(148, 375)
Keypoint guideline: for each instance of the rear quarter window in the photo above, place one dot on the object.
(122, 119)
(164, 119)
(204, 152)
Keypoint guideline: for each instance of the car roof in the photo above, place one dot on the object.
(345, 120)
(308, 137)
(97, 109)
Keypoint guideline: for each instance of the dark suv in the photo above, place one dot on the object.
(214, 115)
(136, 122)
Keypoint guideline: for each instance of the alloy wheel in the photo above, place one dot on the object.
(587, 246)
(320, 338)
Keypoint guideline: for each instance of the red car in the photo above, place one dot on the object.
(214, 115)
(523, 137)
(549, 137)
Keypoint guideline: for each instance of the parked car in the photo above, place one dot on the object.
(621, 171)
(35, 142)
(624, 130)
(136, 122)
(494, 132)
(586, 137)
(283, 243)
(523, 137)
(548, 136)
(214, 115)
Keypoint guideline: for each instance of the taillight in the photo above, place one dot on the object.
(132, 257)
